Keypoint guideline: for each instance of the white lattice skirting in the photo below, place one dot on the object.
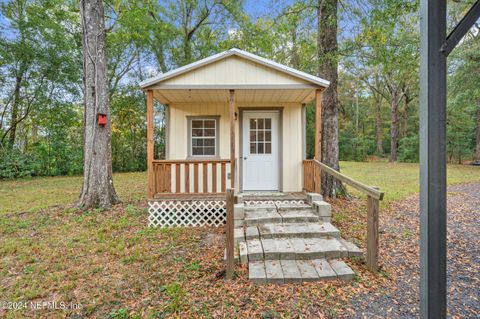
(191, 213)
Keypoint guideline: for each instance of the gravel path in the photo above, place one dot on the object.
(400, 256)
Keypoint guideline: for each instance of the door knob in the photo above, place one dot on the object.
(245, 158)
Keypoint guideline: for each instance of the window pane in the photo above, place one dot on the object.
(209, 142)
(209, 132)
(197, 123)
(209, 151)
(253, 148)
(197, 142)
(260, 148)
(268, 136)
(197, 150)
(209, 123)
(268, 148)
(253, 124)
(197, 132)
(268, 123)
(253, 136)
(260, 123)
(260, 136)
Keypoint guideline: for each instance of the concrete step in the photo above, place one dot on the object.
(300, 230)
(299, 216)
(290, 207)
(353, 250)
(286, 271)
(295, 248)
(261, 216)
(261, 208)
(253, 217)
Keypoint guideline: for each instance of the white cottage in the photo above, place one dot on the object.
(235, 120)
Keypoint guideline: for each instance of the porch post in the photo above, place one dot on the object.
(232, 138)
(318, 125)
(150, 190)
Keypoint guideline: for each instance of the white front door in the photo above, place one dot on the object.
(260, 151)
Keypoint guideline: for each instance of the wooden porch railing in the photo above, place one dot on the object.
(311, 174)
(173, 177)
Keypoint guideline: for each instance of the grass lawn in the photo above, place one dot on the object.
(33, 194)
(116, 267)
(399, 180)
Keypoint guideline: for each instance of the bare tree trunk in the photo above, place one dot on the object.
(327, 50)
(98, 190)
(295, 58)
(476, 156)
(406, 110)
(14, 120)
(378, 123)
(394, 126)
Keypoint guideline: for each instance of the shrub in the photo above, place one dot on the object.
(356, 148)
(14, 164)
(408, 150)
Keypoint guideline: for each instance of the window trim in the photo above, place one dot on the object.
(217, 137)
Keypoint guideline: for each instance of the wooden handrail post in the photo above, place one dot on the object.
(150, 145)
(229, 234)
(373, 206)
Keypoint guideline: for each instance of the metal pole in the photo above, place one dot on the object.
(433, 298)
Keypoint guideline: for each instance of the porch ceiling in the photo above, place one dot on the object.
(300, 95)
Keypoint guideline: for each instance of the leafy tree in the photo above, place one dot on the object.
(39, 60)
(98, 189)
(388, 44)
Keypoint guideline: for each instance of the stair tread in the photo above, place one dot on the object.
(297, 248)
(280, 271)
(298, 229)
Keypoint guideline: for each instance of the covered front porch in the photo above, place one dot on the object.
(280, 133)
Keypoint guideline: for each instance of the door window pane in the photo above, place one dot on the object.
(260, 148)
(261, 136)
(253, 124)
(253, 136)
(268, 124)
(260, 123)
(253, 148)
(268, 148)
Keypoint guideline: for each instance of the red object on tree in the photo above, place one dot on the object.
(102, 119)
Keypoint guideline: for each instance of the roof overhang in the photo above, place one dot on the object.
(242, 95)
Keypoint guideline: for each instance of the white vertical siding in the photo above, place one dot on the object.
(291, 132)
(234, 70)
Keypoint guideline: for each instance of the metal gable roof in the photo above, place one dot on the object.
(237, 52)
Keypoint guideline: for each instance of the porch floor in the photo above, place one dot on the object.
(271, 196)
(250, 196)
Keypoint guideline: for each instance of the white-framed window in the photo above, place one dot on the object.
(203, 136)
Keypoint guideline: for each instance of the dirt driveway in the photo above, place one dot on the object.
(400, 231)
